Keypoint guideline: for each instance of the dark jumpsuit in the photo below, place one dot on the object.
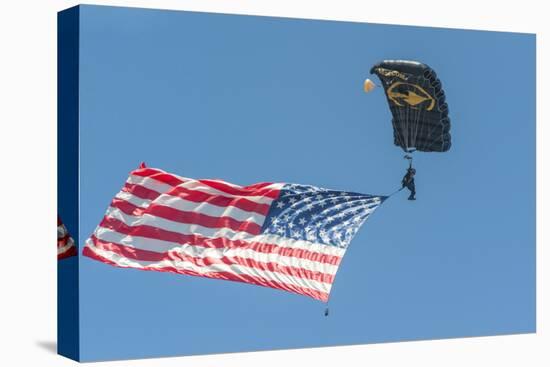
(408, 182)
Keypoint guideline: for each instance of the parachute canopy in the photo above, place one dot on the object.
(417, 103)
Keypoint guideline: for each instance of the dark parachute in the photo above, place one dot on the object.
(417, 102)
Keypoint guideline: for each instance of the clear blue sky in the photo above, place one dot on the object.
(251, 99)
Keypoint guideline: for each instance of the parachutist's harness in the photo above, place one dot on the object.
(408, 181)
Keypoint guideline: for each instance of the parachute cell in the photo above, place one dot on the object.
(417, 103)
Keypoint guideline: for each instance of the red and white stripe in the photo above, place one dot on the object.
(210, 228)
(65, 243)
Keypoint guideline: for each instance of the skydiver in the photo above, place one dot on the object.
(408, 182)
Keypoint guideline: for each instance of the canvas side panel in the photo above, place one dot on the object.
(67, 178)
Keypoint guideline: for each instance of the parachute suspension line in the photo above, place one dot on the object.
(409, 118)
(417, 119)
(401, 130)
(431, 132)
(416, 112)
(412, 118)
(407, 127)
(397, 131)
(398, 134)
(420, 117)
(412, 115)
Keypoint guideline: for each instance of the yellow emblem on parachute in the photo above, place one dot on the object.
(411, 94)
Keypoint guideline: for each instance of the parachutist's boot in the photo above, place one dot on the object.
(411, 197)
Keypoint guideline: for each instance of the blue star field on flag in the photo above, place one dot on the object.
(318, 215)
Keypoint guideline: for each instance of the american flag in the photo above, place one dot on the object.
(65, 243)
(285, 236)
